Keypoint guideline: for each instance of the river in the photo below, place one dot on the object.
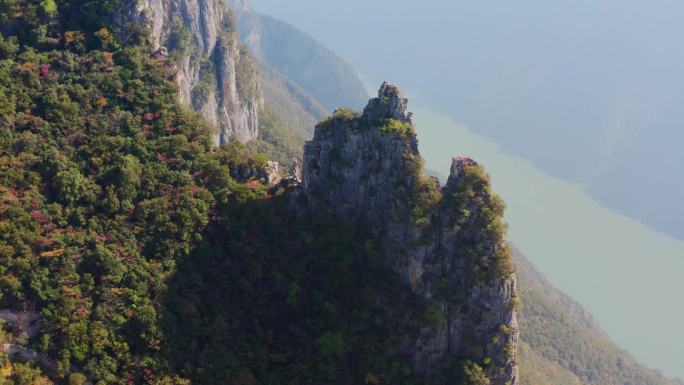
(627, 275)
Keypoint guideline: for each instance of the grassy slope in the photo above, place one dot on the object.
(289, 100)
(535, 369)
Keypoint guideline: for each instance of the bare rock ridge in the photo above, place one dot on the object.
(390, 104)
(446, 242)
(215, 77)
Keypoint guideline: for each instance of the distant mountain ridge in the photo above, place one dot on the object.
(289, 100)
(589, 91)
(300, 58)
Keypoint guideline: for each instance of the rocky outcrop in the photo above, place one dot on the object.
(215, 77)
(295, 172)
(272, 171)
(24, 325)
(445, 242)
(390, 104)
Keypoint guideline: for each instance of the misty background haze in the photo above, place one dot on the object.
(589, 91)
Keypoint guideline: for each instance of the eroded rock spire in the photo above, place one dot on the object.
(390, 104)
(447, 245)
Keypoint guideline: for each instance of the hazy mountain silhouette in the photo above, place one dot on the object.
(588, 90)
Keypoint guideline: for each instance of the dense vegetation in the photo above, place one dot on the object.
(280, 301)
(535, 369)
(277, 138)
(154, 258)
(397, 128)
(105, 184)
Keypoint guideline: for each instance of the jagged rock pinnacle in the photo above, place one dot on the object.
(458, 167)
(295, 171)
(390, 104)
(368, 170)
(272, 171)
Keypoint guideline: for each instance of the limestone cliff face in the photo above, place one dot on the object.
(215, 77)
(446, 242)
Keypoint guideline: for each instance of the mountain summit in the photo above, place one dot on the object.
(446, 243)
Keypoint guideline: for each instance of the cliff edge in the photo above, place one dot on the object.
(215, 76)
(446, 242)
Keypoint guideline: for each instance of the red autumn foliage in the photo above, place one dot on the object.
(252, 184)
(39, 217)
(44, 70)
(148, 376)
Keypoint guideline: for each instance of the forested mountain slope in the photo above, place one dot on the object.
(135, 250)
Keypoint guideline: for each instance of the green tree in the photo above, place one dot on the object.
(330, 344)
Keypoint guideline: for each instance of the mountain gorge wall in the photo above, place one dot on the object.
(215, 76)
(446, 243)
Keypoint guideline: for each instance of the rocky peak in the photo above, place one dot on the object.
(214, 77)
(368, 170)
(295, 171)
(459, 165)
(358, 161)
(390, 104)
(272, 171)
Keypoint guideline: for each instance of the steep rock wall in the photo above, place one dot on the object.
(446, 242)
(215, 77)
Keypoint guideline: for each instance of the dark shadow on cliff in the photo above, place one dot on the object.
(269, 298)
(369, 273)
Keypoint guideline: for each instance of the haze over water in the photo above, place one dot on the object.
(591, 91)
(626, 274)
